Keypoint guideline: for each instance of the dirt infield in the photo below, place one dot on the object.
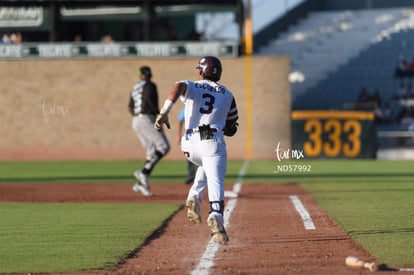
(267, 235)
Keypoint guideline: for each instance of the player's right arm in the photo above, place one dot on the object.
(150, 98)
(178, 89)
(131, 106)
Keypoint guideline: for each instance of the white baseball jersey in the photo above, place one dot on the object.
(208, 102)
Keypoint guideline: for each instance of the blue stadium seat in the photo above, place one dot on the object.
(340, 52)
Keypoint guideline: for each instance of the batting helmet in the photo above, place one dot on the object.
(145, 70)
(210, 67)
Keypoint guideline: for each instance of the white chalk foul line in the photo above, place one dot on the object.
(207, 259)
(304, 214)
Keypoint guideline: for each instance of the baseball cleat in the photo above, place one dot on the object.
(218, 233)
(193, 210)
(142, 178)
(139, 188)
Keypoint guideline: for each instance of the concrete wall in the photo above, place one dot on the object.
(77, 109)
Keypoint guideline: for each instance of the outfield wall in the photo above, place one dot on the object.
(77, 109)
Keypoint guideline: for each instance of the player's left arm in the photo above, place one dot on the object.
(230, 128)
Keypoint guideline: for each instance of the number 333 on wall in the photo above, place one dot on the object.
(334, 134)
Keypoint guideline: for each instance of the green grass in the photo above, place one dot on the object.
(63, 237)
(372, 200)
(379, 216)
(64, 171)
(96, 171)
(334, 171)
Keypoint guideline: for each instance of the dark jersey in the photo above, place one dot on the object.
(144, 98)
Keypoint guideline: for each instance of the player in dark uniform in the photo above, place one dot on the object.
(143, 106)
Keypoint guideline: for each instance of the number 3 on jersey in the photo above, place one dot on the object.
(208, 104)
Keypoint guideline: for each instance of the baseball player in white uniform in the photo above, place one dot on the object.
(210, 114)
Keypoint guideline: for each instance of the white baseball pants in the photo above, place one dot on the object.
(211, 157)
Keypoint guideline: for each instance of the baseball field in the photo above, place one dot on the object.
(282, 218)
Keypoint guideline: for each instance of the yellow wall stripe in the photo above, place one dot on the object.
(300, 115)
(249, 104)
(248, 36)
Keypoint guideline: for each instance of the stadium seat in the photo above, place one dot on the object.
(339, 52)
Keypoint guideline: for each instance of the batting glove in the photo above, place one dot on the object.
(161, 119)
